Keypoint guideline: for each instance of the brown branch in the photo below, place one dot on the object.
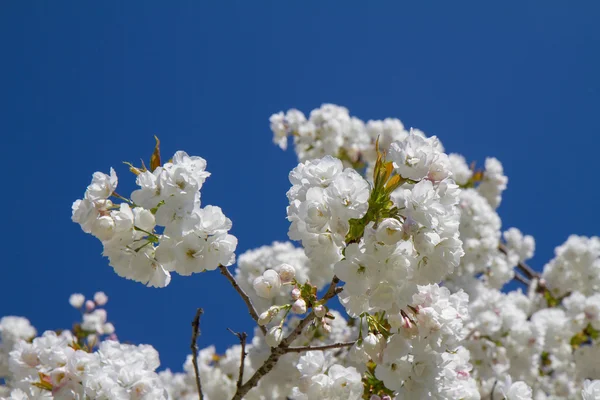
(280, 350)
(520, 278)
(331, 292)
(194, 347)
(529, 272)
(316, 348)
(244, 296)
(242, 336)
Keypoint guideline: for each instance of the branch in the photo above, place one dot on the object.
(521, 278)
(316, 348)
(242, 336)
(244, 296)
(194, 347)
(526, 269)
(331, 292)
(280, 350)
(493, 389)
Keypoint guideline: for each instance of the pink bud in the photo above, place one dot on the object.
(296, 293)
(299, 306)
(90, 305)
(100, 298)
(320, 310)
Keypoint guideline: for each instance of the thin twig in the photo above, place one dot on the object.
(194, 347)
(331, 292)
(242, 336)
(280, 350)
(244, 296)
(527, 270)
(521, 278)
(316, 348)
(493, 388)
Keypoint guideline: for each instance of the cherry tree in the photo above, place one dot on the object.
(406, 236)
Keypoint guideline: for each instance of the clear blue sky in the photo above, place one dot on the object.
(85, 85)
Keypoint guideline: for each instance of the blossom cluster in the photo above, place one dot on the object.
(162, 227)
(406, 236)
(85, 362)
(545, 340)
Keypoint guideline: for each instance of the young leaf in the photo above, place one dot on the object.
(155, 159)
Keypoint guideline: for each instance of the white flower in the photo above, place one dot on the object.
(267, 285)
(286, 273)
(591, 390)
(102, 186)
(389, 231)
(519, 391)
(311, 363)
(413, 156)
(189, 254)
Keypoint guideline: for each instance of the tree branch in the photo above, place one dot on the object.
(242, 336)
(493, 389)
(194, 347)
(331, 292)
(520, 278)
(526, 269)
(280, 350)
(244, 296)
(316, 348)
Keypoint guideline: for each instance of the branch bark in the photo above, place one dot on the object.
(242, 336)
(316, 348)
(529, 272)
(280, 350)
(194, 347)
(522, 279)
(244, 296)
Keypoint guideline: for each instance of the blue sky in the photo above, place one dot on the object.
(85, 85)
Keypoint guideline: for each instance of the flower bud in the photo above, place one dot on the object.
(320, 310)
(274, 336)
(90, 305)
(92, 340)
(296, 293)
(299, 306)
(268, 315)
(100, 298)
(286, 273)
(76, 300)
(108, 329)
(326, 327)
(264, 318)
